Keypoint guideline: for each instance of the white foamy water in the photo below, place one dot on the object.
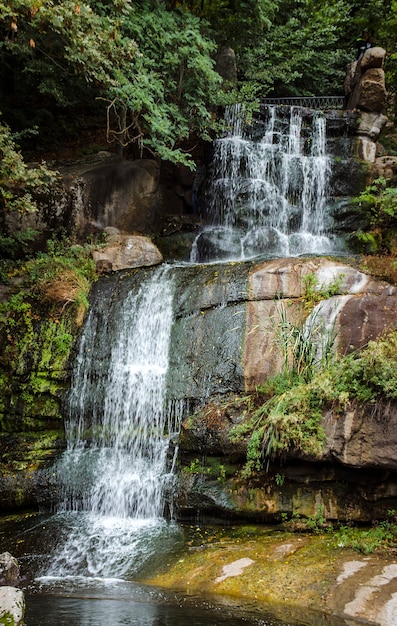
(114, 474)
(268, 195)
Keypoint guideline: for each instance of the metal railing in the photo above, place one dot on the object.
(323, 103)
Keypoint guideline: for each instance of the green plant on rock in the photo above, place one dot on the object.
(379, 204)
(304, 346)
(313, 292)
(279, 479)
(195, 467)
(366, 242)
(290, 417)
(370, 372)
(38, 322)
(382, 535)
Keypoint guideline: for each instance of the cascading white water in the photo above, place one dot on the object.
(268, 195)
(114, 472)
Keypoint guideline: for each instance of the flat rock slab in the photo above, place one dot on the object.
(309, 576)
(234, 569)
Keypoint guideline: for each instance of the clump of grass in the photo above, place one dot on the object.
(290, 417)
(60, 277)
(39, 291)
(381, 536)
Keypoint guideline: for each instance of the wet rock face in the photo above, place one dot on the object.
(223, 344)
(106, 193)
(356, 475)
(361, 309)
(123, 194)
(364, 437)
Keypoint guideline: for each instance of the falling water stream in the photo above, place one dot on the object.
(268, 193)
(114, 473)
(267, 197)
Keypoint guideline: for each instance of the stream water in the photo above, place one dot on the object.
(114, 522)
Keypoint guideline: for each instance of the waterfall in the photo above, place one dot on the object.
(114, 472)
(268, 190)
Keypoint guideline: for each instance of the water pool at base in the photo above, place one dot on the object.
(79, 597)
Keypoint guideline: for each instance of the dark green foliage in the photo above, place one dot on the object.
(150, 68)
(378, 202)
(19, 186)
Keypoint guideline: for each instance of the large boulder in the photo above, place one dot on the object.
(372, 95)
(97, 193)
(372, 58)
(126, 252)
(365, 82)
(371, 124)
(118, 193)
(385, 166)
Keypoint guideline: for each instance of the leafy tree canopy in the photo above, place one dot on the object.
(150, 66)
(145, 68)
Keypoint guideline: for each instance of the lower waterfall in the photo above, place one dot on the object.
(114, 473)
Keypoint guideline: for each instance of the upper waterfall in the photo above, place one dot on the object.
(268, 189)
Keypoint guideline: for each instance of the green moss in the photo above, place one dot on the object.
(365, 242)
(7, 619)
(378, 203)
(30, 450)
(213, 468)
(381, 536)
(38, 325)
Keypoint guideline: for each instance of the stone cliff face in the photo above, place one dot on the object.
(223, 345)
(223, 341)
(354, 478)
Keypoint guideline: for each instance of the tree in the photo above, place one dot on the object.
(19, 185)
(303, 53)
(147, 64)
